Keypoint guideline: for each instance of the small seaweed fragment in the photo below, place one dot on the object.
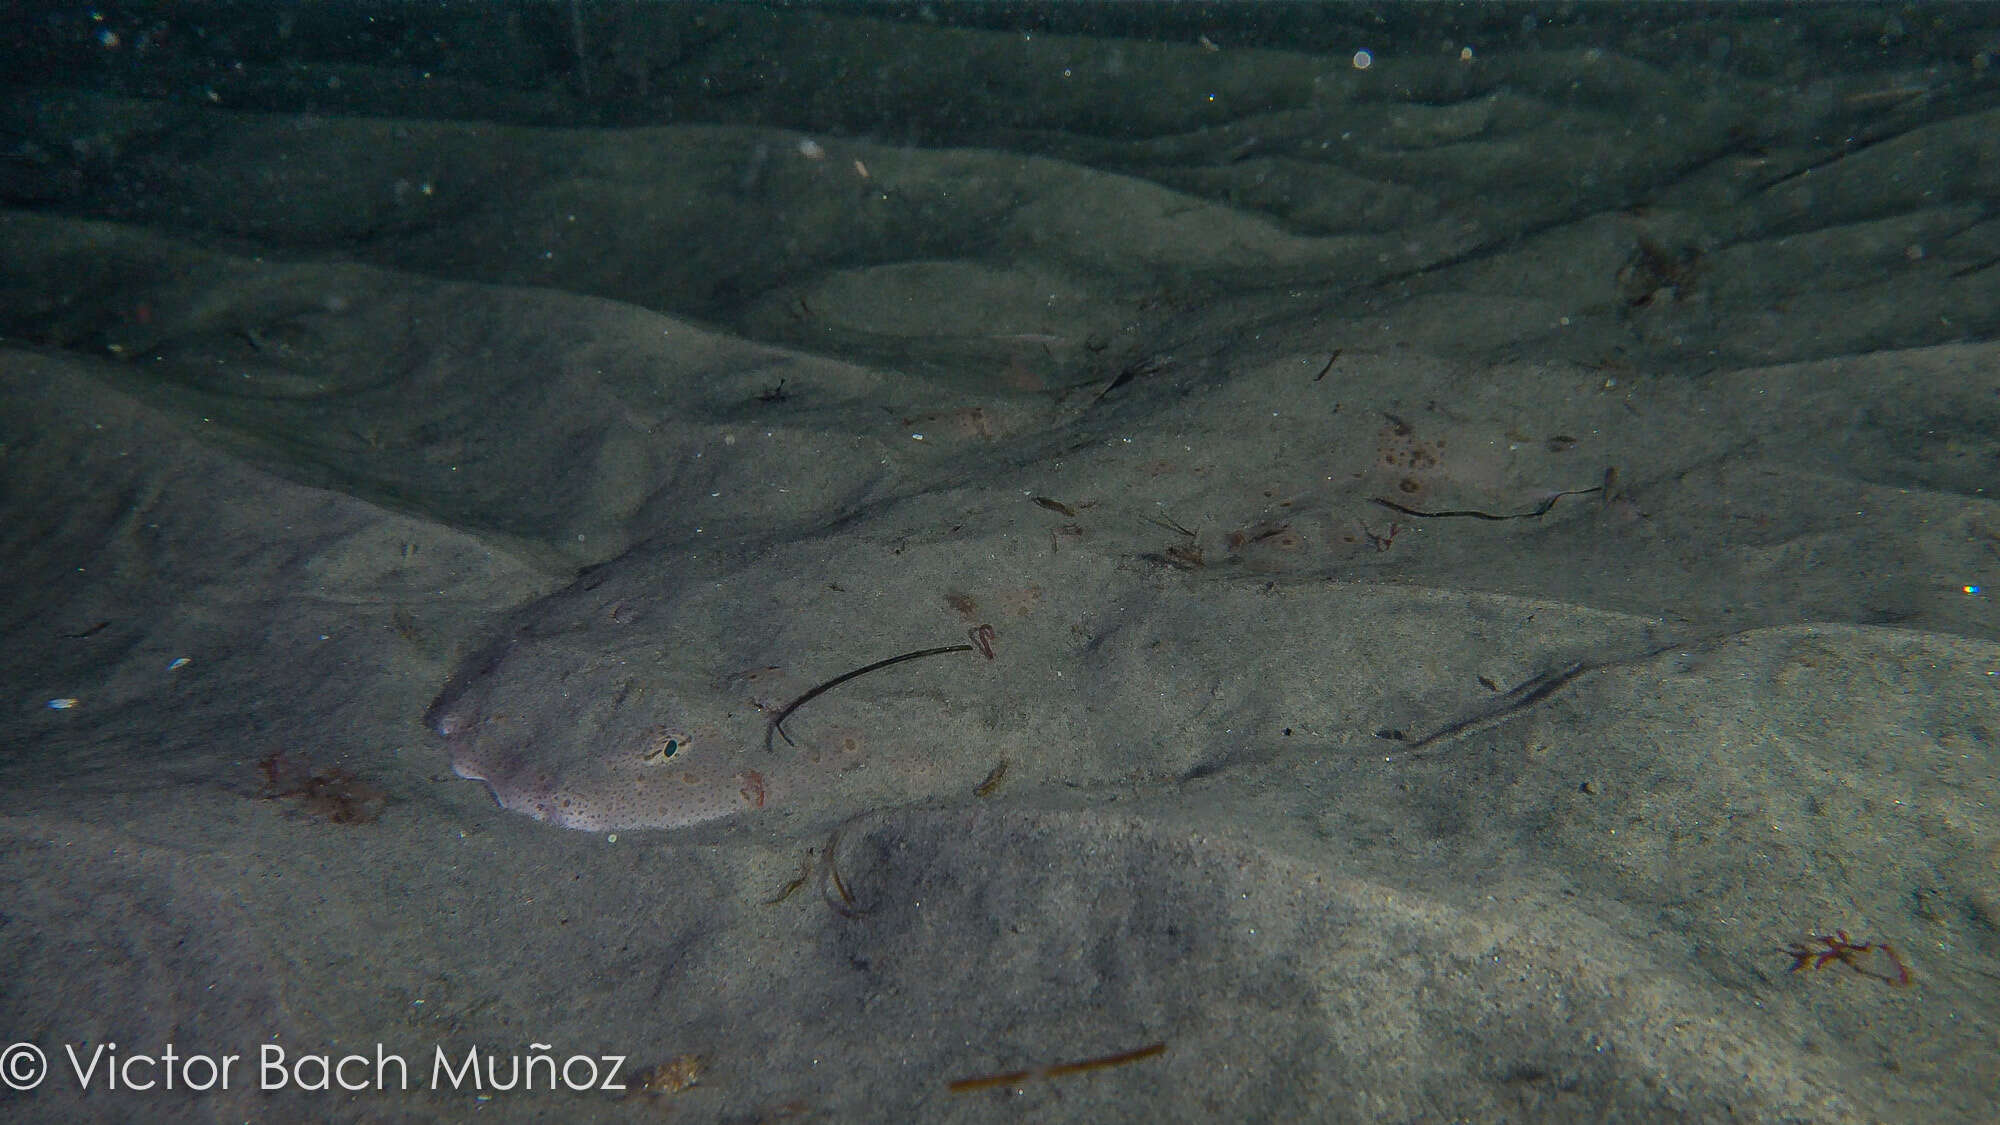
(993, 779)
(794, 883)
(1270, 531)
(676, 1075)
(833, 889)
(1837, 946)
(1655, 271)
(1520, 698)
(331, 794)
(777, 725)
(1059, 1070)
(1137, 369)
(1383, 541)
(981, 636)
(1536, 512)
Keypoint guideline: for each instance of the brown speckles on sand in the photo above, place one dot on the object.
(750, 784)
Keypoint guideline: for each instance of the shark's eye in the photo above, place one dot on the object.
(662, 744)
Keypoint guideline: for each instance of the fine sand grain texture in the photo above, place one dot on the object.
(1450, 589)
